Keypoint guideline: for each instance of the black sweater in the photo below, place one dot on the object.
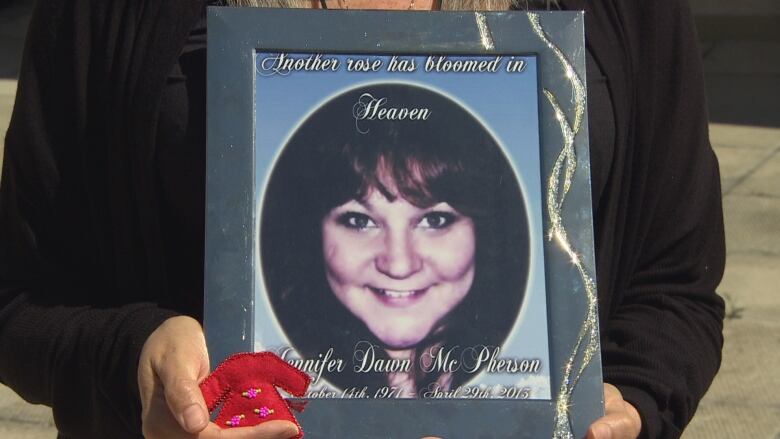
(83, 272)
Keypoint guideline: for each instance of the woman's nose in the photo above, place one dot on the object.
(399, 258)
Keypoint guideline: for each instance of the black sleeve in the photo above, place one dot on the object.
(663, 335)
(64, 341)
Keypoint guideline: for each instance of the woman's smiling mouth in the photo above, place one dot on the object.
(398, 296)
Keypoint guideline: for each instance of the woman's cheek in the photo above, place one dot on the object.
(451, 254)
(346, 254)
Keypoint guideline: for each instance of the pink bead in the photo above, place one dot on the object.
(251, 393)
(235, 421)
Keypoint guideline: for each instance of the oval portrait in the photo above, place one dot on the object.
(393, 228)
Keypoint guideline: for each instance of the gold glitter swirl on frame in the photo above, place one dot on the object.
(558, 185)
(484, 31)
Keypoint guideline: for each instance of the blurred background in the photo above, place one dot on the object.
(740, 41)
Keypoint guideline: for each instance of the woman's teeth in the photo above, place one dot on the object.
(398, 294)
(395, 294)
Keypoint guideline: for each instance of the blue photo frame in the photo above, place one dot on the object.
(249, 125)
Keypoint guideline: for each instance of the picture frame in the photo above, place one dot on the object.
(275, 76)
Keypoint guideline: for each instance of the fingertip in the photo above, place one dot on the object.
(277, 429)
(194, 419)
(292, 431)
(601, 431)
(287, 429)
(186, 403)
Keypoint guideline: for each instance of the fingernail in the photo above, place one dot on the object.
(294, 431)
(603, 432)
(193, 418)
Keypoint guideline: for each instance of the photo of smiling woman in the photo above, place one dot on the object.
(392, 227)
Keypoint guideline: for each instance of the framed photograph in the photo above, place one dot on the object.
(398, 204)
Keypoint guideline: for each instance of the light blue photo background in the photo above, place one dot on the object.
(506, 103)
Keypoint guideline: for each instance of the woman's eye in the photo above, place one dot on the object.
(437, 220)
(358, 221)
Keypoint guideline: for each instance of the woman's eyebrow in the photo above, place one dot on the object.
(366, 203)
(442, 205)
(361, 202)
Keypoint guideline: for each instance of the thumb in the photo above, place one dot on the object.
(186, 403)
(179, 371)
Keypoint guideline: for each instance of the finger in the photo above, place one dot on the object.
(614, 426)
(612, 399)
(187, 405)
(611, 394)
(179, 376)
(614, 405)
(599, 430)
(276, 430)
(266, 430)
